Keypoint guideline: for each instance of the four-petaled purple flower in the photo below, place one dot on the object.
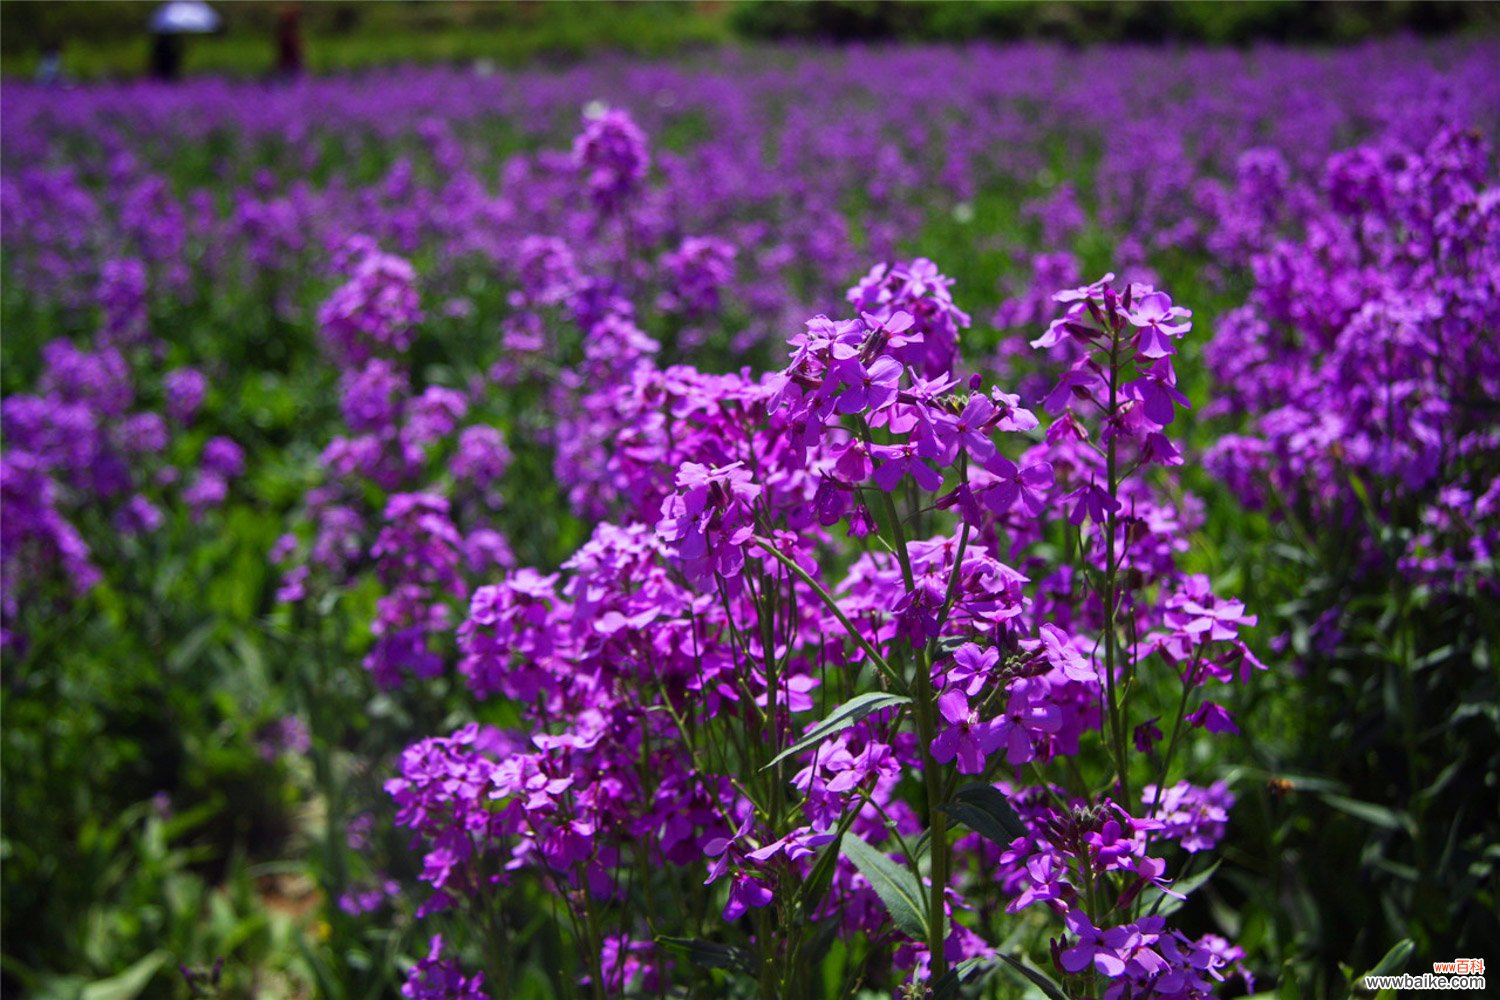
(968, 738)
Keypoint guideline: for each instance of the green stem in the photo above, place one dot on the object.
(1166, 764)
(1111, 596)
(832, 605)
(921, 687)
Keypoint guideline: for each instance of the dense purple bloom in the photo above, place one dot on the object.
(122, 297)
(371, 396)
(374, 311)
(185, 388)
(653, 675)
(611, 153)
(710, 518)
(697, 272)
(438, 978)
(223, 457)
(1194, 817)
(482, 456)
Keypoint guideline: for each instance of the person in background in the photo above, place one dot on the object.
(166, 56)
(49, 68)
(288, 43)
(168, 24)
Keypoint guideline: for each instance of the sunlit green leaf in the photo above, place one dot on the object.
(896, 886)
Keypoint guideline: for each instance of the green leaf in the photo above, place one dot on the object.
(328, 986)
(1394, 960)
(126, 985)
(985, 810)
(950, 644)
(1166, 905)
(1038, 979)
(707, 953)
(922, 850)
(896, 886)
(1371, 813)
(947, 988)
(842, 718)
(1290, 988)
(819, 879)
(186, 652)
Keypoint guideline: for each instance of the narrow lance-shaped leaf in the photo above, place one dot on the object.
(950, 985)
(1395, 960)
(842, 718)
(1040, 980)
(896, 886)
(1371, 813)
(129, 984)
(709, 954)
(1166, 905)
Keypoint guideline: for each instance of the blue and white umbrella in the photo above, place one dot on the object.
(184, 17)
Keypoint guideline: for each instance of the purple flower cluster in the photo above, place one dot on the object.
(375, 311)
(883, 646)
(696, 272)
(611, 155)
(438, 978)
(397, 487)
(1365, 353)
(88, 463)
(780, 142)
(663, 669)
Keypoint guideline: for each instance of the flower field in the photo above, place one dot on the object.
(882, 521)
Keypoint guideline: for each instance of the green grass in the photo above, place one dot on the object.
(109, 40)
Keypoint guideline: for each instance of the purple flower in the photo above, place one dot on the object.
(1027, 487)
(144, 434)
(438, 978)
(831, 502)
(434, 414)
(1092, 948)
(1157, 321)
(969, 429)
(1194, 817)
(972, 668)
(800, 843)
(1059, 651)
(901, 460)
(917, 611)
(482, 456)
(611, 154)
(697, 271)
(185, 388)
(223, 457)
(208, 491)
(967, 738)
(375, 311)
(710, 518)
(371, 396)
(1158, 393)
(745, 891)
(1030, 714)
(1146, 735)
(1044, 880)
(861, 522)
(1218, 623)
(1212, 717)
(1090, 501)
(869, 389)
